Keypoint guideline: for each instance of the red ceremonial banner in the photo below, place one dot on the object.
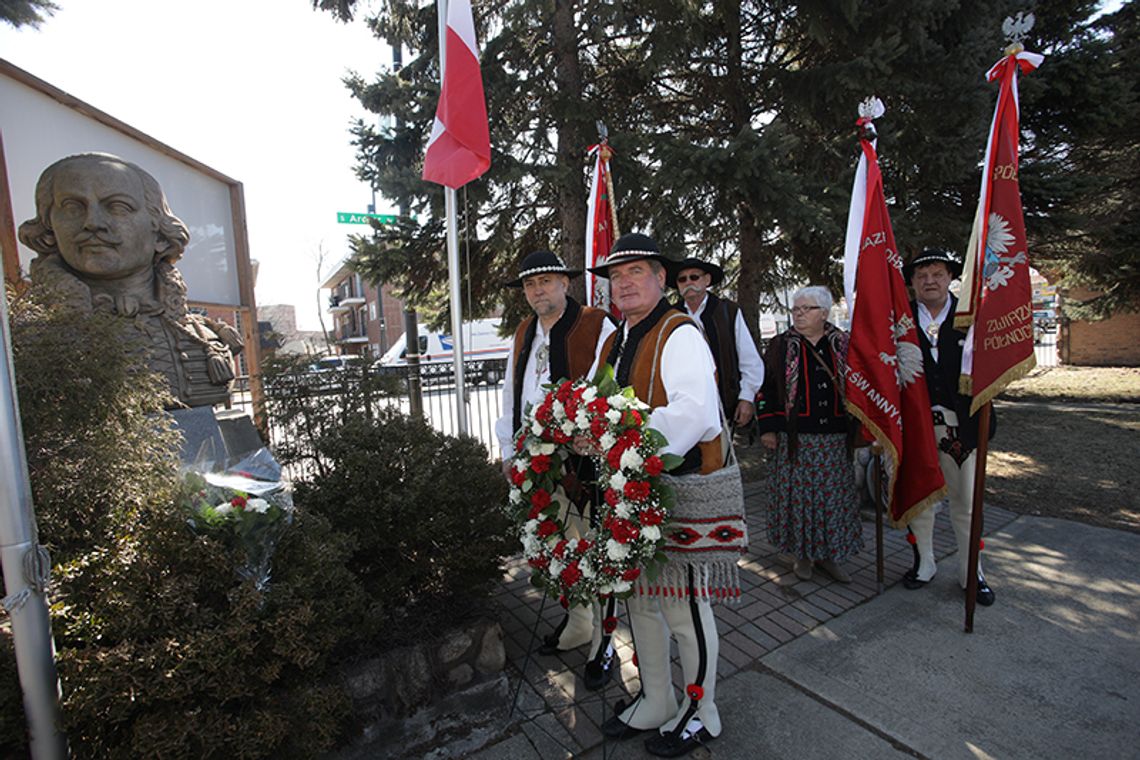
(885, 385)
(996, 299)
(601, 228)
(459, 148)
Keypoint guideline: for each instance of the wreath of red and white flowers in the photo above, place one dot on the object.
(627, 541)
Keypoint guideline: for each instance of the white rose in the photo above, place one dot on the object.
(536, 427)
(520, 463)
(617, 401)
(622, 510)
(613, 415)
(607, 441)
(617, 482)
(568, 427)
(556, 567)
(224, 509)
(530, 527)
(531, 546)
(516, 496)
(616, 551)
(261, 506)
(586, 568)
(631, 460)
(622, 586)
(558, 409)
(651, 532)
(546, 448)
(589, 394)
(582, 419)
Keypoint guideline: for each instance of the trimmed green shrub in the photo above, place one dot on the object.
(423, 512)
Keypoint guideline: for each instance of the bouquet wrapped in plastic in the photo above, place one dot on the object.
(242, 507)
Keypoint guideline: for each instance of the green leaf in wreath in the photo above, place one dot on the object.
(671, 461)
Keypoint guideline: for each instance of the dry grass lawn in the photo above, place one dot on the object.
(1067, 446)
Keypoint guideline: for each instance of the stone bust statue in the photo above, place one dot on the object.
(107, 241)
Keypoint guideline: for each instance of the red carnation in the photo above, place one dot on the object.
(599, 405)
(540, 463)
(583, 545)
(695, 692)
(238, 502)
(631, 438)
(609, 624)
(654, 466)
(539, 563)
(520, 443)
(632, 417)
(911, 539)
(571, 574)
(560, 548)
(564, 602)
(623, 530)
(547, 528)
(612, 497)
(560, 437)
(637, 490)
(650, 517)
(544, 413)
(609, 570)
(613, 458)
(631, 574)
(540, 498)
(518, 477)
(598, 426)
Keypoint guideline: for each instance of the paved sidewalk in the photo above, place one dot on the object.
(554, 716)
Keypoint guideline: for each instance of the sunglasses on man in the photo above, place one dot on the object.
(690, 277)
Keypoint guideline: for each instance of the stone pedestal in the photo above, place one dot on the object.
(218, 440)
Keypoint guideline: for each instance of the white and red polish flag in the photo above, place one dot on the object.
(601, 228)
(459, 149)
(996, 298)
(885, 387)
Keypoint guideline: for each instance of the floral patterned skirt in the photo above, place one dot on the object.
(813, 510)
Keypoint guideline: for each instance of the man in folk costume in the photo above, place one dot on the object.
(955, 431)
(739, 368)
(557, 342)
(662, 354)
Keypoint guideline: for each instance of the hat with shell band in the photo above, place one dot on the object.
(632, 246)
(933, 256)
(542, 262)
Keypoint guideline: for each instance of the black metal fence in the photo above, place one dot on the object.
(428, 390)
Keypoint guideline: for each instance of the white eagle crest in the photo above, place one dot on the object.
(998, 269)
(1016, 28)
(907, 359)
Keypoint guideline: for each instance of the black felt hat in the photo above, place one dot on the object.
(632, 246)
(713, 270)
(933, 256)
(541, 262)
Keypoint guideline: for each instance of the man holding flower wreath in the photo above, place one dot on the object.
(557, 343)
(663, 355)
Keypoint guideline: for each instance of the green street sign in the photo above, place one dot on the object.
(346, 217)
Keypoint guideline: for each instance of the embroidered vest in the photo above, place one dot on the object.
(645, 377)
(573, 340)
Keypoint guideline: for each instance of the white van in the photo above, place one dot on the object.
(481, 341)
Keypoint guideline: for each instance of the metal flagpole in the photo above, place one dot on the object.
(450, 206)
(26, 567)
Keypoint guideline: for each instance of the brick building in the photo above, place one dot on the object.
(1108, 343)
(364, 319)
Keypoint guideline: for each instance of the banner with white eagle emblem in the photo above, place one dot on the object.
(885, 387)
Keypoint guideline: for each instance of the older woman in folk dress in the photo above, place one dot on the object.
(813, 513)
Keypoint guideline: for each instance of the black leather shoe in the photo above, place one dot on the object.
(598, 674)
(672, 745)
(549, 646)
(615, 728)
(986, 594)
(911, 581)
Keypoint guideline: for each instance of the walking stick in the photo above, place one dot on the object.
(876, 451)
(976, 514)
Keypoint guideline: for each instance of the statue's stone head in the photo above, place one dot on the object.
(106, 217)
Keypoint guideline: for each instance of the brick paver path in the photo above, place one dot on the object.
(561, 718)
